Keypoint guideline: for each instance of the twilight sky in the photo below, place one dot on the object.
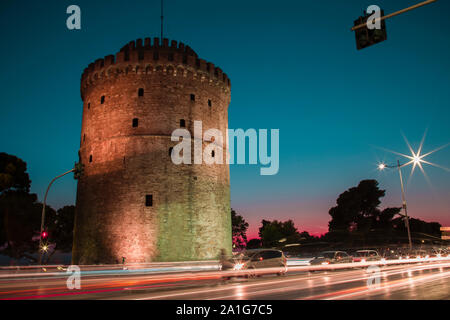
(293, 66)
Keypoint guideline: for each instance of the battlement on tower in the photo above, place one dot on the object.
(147, 56)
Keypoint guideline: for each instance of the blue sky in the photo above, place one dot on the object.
(293, 66)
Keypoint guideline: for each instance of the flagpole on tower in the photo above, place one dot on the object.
(162, 18)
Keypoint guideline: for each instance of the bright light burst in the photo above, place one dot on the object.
(417, 158)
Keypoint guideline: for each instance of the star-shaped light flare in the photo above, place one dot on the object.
(417, 158)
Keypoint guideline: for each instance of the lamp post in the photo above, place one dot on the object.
(43, 213)
(399, 166)
(78, 172)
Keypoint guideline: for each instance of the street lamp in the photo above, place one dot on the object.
(78, 171)
(416, 159)
(383, 166)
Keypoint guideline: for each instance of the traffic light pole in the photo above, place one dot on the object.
(43, 212)
(395, 14)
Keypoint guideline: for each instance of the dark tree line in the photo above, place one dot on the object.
(357, 218)
(20, 215)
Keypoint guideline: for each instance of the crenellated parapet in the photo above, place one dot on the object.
(146, 57)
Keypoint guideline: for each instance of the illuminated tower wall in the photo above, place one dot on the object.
(132, 201)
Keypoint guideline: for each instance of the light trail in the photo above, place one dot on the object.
(298, 278)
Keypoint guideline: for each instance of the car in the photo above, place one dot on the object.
(257, 259)
(331, 257)
(366, 255)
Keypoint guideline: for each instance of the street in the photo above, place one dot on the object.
(425, 280)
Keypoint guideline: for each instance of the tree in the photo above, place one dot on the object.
(60, 227)
(419, 228)
(13, 174)
(254, 243)
(239, 230)
(271, 232)
(354, 206)
(20, 214)
(357, 213)
(14, 198)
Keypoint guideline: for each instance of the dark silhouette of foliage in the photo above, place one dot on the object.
(60, 228)
(239, 230)
(357, 208)
(357, 219)
(254, 243)
(13, 174)
(419, 228)
(20, 214)
(271, 232)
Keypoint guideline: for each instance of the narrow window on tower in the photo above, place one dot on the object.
(141, 92)
(149, 200)
(213, 153)
(102, 100)
(182, 123)
(209, 103)
(84, 137)
(170, 151)
(192, 97)
(135, 122)
(89, 105)
(90, 158)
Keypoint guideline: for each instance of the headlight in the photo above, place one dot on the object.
(238, 266)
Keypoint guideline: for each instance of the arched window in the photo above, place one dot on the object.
(141, 92)
(135, 122)
(182, 123)
(102, 100)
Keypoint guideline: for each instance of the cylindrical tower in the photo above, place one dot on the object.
(133, 202)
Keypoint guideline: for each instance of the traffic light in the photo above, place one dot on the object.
(366, 37)
(78, 170)
(44, 234)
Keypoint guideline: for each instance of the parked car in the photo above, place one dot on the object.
(331, 257)
(257, 259)
(366, 255)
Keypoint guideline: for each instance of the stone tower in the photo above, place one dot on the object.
(132, 200)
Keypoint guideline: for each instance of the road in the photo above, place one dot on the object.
(427, 280)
